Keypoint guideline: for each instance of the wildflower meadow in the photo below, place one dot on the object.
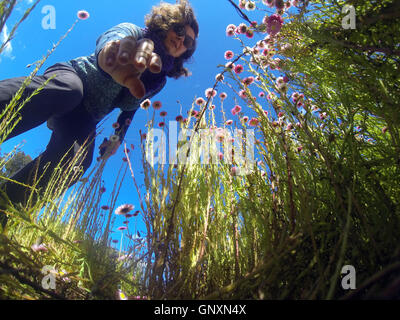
(291, 192)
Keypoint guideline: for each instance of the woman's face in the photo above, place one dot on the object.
(175, 42)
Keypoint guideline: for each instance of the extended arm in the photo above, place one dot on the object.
(116, 33)
(124, 56)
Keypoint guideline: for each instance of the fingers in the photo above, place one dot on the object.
(128, 76)
(125, 60)
(126, 50)
(135, 86)
(111, 54)
(155, 63)
(145, 57)
(108, 55)
(144, 52)
(140, 54)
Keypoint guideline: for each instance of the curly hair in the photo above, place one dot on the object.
(162, 18)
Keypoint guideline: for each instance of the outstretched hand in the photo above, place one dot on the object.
(126, 59)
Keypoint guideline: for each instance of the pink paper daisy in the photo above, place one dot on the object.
(157, 105)
(83, 14)
(250, 6)
(249, 33)
(243, 94)
(254, 122)
(274, 24)
(230, 30)
(210, 93)
(219, 77)
(236, 109)
(200, 101)
(145, 104)
(223, 95)
(248, 80)
(238, 69)
(242, 28)
(228, 54)
(124, 209)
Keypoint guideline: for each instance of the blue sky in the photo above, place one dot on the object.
(32, 42)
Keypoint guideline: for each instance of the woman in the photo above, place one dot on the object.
(130, 64)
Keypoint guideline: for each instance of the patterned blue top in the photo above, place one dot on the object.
(101, 93)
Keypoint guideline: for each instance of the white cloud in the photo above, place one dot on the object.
(7, 51)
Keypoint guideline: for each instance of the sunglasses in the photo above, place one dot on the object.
(188, 41)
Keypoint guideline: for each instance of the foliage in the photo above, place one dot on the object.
(325, 192)
(18, 161)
